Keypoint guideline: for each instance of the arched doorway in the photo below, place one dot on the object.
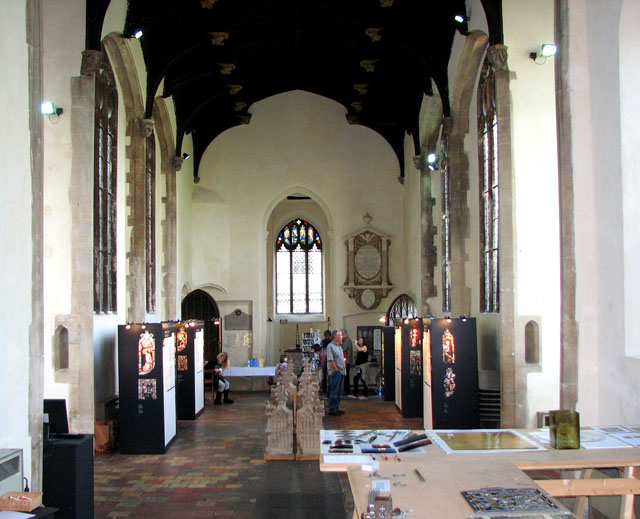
(201, 306)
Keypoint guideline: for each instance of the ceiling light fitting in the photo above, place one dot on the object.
(546, 50)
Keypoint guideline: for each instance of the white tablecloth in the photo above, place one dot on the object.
(266, 371)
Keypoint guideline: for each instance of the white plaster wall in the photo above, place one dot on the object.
(412, 229)
(63, 43)
(629, 73)
(15, 232)
(534, 153)
(294, 139)
(184, 215)
(595, 88)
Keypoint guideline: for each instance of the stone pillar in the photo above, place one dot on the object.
(459, 216)
(428, 254)
(169, 165)
(512, 365)
(138, 129)
(569, 326)
(36, 335)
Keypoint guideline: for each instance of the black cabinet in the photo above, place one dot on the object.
(67, 476)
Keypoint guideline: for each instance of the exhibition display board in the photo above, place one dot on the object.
(147, 375)
(437, 372)
(190, 369)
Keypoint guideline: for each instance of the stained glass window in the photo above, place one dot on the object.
(104, 191)
(299, 269)
(150, 219)
(403, 307)
(446, 223)
(489, 190)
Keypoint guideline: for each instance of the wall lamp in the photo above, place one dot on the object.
(185, 155)
(48, 108)
(432, 161)
(546, 50)
(138, 34)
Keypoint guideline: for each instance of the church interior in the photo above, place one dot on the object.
(431, 158)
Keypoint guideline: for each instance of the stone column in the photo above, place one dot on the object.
(138, 129)
(36, 335)
(512, 366)
(428, 255)
(169, 164)
(569, 325)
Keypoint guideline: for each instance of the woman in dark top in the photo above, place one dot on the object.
(361, 362)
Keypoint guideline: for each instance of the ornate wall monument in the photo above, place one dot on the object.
(367, 266)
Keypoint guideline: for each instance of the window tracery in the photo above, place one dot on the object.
(299, 284)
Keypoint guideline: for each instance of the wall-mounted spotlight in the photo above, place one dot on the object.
(546, 50)
(185, 156)
(48, 108)
(432, 161)
(382, 319)
(460, 18)
(138, 34)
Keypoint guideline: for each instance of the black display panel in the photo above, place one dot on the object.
(412, 366)
(454, 374)
(142, 387)
(186, 369)
(388, 364)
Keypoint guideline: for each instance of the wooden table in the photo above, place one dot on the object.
(446, 475)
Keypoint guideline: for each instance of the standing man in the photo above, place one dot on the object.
(347, 346)
(335, 367)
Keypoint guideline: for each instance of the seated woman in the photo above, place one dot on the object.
(219, 382)
(280, 368)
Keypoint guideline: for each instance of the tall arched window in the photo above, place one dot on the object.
(299, 269)
(489, 189)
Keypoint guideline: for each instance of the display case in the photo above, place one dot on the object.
(437, 372)
(409, 366)
(454, 374)
(190, 369)
(147, 376)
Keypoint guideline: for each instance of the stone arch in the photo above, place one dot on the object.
(301, 191)
(137, 129)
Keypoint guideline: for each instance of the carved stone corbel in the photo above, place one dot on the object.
(177, 163)
(92, 60)
(146, 127)
(498, 56)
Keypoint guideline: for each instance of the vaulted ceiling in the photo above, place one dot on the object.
(217, 57)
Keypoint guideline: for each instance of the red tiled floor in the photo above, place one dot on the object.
(215, 467)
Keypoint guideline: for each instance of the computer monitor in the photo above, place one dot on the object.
(56, 408)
